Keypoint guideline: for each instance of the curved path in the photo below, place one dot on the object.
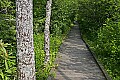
(76, 62)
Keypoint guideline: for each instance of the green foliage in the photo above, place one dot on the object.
(7, 34)
(99, 24)
(63, 14)
(39, 9)
(7, 63)
(7, 29)
(109, 48)
(7, 21)
(42, 71)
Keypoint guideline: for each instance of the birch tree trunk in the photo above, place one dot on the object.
(46, 31)
(25, 49)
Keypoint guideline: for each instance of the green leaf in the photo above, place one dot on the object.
(1, 74)
(6, 65)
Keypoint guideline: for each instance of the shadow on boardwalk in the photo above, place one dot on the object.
(76, 62)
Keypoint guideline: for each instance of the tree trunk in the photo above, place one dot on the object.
(46, 31)
(25, 48)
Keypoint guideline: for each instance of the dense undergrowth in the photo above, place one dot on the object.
(100, 27)
(43, 70)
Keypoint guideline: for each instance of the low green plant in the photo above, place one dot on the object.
(7, 63)
(108, 48)
(43, 71)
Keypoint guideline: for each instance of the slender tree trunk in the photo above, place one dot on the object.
(25, 49)
(46, 31)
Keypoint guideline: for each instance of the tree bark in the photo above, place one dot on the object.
(46, 31)
(25, 48)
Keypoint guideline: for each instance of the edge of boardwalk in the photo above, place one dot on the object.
(98, 63)
(96, 60)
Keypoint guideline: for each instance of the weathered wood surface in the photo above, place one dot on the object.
(76, 62)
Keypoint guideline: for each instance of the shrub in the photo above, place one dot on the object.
(7, 63)
(43, 71)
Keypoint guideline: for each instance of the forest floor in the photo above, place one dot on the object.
(75, 61)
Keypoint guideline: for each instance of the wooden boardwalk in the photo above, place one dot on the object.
(75, 61)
